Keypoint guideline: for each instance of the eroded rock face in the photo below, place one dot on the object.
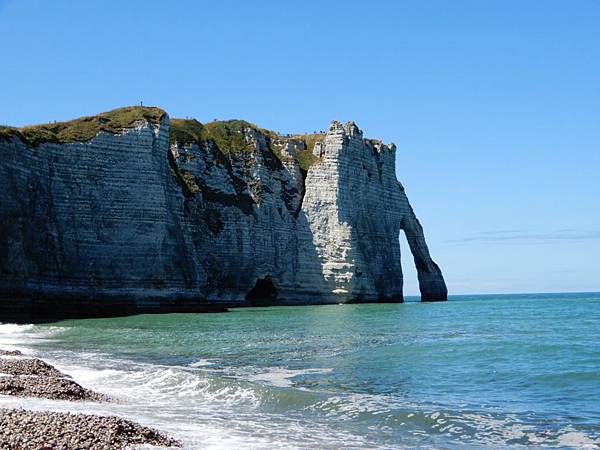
(130, 222)
(356, 208)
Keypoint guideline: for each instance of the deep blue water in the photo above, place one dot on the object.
(475, 372)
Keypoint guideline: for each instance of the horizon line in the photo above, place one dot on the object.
(514, 293)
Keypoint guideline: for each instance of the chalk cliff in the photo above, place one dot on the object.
(129, 211)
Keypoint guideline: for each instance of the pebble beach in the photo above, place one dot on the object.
(22, 376)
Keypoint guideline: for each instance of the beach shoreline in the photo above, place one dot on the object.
(24, 376)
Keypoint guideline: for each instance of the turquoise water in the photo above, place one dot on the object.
(475, 372)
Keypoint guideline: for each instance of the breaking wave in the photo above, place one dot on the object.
(318, 381)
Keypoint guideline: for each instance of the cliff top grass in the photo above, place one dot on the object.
(84, 128)
(228, 136)
(187, 131)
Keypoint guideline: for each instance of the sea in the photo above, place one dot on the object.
(479, 371)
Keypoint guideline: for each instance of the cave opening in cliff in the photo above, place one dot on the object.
(263, 293)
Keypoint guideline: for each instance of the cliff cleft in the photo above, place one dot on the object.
(130, 211)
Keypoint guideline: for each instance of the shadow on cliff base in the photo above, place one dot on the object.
(52, 308)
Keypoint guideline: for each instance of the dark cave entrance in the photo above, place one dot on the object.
(263, 293)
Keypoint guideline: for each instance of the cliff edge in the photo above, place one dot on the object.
(130, 211)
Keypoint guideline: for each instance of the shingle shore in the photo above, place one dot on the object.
(29, 366)
(23, 429)
(32, 377)
(47, 387)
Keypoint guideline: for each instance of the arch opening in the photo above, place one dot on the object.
(410, 280)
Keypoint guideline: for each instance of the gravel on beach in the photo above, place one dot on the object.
(47, 387)
(21, 429)
(29, 366)
(32, 377)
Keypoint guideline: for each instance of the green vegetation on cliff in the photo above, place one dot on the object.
(306, 158)
(186, 131)
(310, 139)
(84, 128)
(228, 137)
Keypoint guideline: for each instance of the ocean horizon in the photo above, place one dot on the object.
(478, 371)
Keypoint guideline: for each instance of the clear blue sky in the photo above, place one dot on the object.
(494, 105)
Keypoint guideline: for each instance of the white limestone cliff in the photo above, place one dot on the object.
(129, 222)
(356, 209)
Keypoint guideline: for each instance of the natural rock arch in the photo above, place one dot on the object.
(431, 281)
